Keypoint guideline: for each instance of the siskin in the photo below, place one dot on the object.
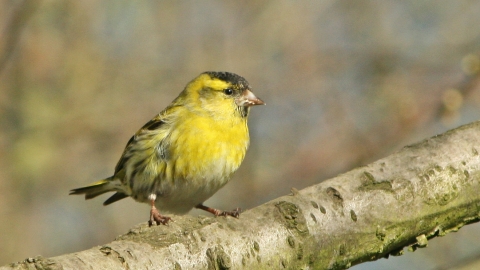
(187, 152)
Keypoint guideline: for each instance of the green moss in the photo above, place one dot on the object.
(380, 234)
(368, 177)
(218, 259)
(164, 235)
(291, 241)
(369, 183)
(313, 217)
(422, 240)
(256, 246)
(292, 216)
(353, 216)
(336, 197)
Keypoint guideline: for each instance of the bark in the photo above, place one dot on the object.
(425, 190)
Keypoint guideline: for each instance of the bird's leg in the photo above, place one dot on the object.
(155, 216)
(235, 213)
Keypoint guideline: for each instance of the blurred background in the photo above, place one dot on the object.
(345, 82)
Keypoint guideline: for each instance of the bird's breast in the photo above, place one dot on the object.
(203, 149)
(195, 158)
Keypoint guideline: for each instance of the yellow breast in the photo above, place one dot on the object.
(202, 148)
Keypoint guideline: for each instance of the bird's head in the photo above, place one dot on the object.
(220, 94)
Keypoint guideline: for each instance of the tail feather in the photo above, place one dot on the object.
(94, 189)
(115, 197)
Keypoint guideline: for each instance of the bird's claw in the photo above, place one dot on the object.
(156, 218)
(234, 213)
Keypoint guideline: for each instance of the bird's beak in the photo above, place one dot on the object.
(248, 99)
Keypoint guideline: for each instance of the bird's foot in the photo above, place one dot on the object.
(155, 216)
(234, 213)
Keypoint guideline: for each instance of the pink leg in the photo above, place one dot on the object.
(155, 216)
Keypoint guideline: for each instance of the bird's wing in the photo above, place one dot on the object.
(156, 123)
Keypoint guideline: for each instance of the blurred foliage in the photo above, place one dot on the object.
(346, 83)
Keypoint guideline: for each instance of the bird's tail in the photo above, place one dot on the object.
(94, 189)
(100, 187)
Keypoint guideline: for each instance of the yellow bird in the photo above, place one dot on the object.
(187, 152)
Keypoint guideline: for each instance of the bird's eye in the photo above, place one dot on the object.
(228, 91)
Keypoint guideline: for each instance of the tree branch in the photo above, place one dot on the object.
(423, 191)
